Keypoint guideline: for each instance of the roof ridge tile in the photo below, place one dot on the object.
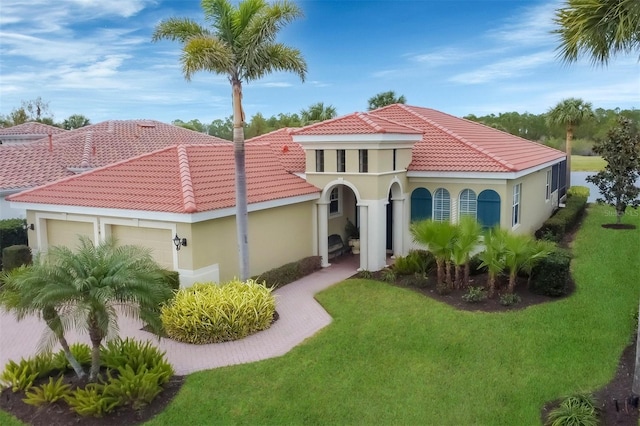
(188, 195)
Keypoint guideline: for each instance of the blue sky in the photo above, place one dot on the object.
(95, 57)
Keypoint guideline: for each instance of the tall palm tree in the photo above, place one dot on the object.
(87, 286)
(440, 238)
(385, 98)
(467, 240)
(570, 113)
(241, 44)
(599, 28)
(317, 112)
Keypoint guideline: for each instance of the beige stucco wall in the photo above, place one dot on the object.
(379, 161)
(276, 236)
(535, 209)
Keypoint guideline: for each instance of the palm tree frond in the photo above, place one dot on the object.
(206, 54)
(180, 29)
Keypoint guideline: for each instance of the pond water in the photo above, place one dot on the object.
(580, 179)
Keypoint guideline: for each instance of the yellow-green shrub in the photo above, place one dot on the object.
(210, 313)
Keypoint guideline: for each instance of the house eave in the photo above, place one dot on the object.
(482, 175)
(362, 141)
(161, 216)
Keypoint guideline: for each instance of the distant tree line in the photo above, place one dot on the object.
(38, 110)
(536, 127)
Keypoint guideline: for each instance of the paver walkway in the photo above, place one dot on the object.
(300, 318)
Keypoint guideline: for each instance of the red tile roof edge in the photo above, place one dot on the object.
(362, 116)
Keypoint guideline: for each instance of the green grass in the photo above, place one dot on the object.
(583, 163)
(392, 356)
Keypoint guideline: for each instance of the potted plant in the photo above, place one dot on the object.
(353, 236)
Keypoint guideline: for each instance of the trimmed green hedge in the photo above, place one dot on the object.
(564, 220)
(16, 256)
(289, 272)
(12, 233)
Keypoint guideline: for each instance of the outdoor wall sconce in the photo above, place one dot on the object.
(29, 226)
(177, 241)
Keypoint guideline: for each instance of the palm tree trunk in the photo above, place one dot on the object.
(458, 278)
(492, 284)
(242, 215)
(466, 274)
(447, 266)
(568, 152)
(51, 317)
(96, 338)
(440, 270)
(512, 282)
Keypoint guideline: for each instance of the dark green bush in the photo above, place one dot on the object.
(16, 256)
(12, 233)
(550, 277)
(289, 272)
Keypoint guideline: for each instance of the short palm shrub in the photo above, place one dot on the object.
(210, 313)
(47, 393)
(388, 275)
(475, 295)
(415, 262)
(576, 410)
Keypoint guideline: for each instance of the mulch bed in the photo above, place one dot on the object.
(618, 226)
(59, 414)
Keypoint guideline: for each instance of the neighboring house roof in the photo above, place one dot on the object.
(454, 144)
(177, 179)
(31, 128)
(40, 162)
(290, 154)
(357, 123)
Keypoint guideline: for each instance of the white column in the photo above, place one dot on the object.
(398, 226)
(364, 237)
(323, 233)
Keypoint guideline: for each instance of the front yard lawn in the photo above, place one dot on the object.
(393, 356)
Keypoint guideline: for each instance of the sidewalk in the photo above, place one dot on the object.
(300, 317)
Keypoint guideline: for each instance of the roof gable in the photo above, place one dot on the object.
(32, 128)
(357, 123)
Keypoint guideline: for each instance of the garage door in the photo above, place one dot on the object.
(158, 240)
(66, 232)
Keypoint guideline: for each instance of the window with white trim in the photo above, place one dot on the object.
(468, 205)
(547, 194)
(441, 205)
(319, 160)
(335, 205)
(515, 208)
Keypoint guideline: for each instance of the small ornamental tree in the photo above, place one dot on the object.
(617, 182)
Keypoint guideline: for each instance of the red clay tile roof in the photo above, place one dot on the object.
(454, 144)
(290, 154)
(32, 128)
(356, 124)
(177, 179)
(25, 166)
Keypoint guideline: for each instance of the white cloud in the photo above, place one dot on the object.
(275, 84)
(532, 26)
(507, 68)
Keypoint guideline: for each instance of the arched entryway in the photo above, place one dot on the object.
(395, 220)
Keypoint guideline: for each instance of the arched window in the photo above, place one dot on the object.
(468, 203)
(421, 204)
(441, 205)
